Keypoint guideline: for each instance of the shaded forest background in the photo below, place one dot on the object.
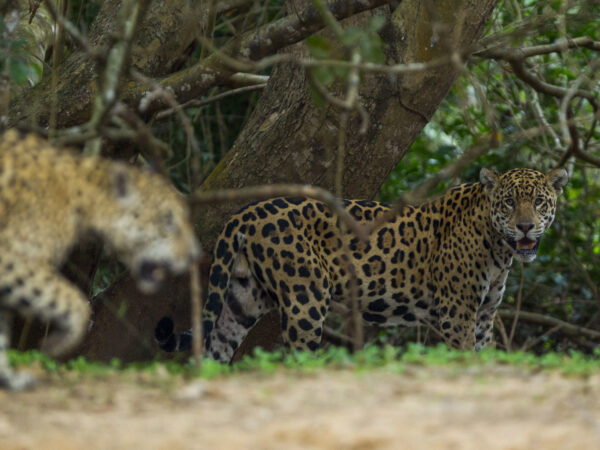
(385, 99)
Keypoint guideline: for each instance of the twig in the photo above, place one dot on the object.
(349, 103)
(72, 30)
(167, 96)
(518, 66)
(570, 134)
(537, 50)
(33, 7)
(431, 327)
(330, 98)
(517, 307)
(126, 119)
(227, 5)
(337, 338)
(517, 57)
(586, 276)
(567, 328)
(132, 332)
(196, 300)
(503, 335)
(530, 343)
(195, 103)
(247, 65)
(242, 79)
(328, 18)
(216, 69)
(539, 115)
(118, 57)
(284, 190)
(208, 20)
(419, 193)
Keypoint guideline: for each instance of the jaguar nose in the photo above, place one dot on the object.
(525, 227)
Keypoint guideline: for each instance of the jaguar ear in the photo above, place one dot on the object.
(488, 178)
(558, 178)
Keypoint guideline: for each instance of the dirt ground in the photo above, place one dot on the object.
(423, 408)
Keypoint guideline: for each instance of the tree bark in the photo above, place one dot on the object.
(168, 29)
(289, 139)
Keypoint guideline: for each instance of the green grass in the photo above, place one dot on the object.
(388, 358)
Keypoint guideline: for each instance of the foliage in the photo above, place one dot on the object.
(488, 98)
(13, 61)
(365, 41)
(395, 359)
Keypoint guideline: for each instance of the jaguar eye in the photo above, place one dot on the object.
(510, 202)
(168, 219)
(538, 201)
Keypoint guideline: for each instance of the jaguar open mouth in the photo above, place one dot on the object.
(525, 246)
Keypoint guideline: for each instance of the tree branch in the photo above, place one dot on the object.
(197, 103)
(284, 190)
(211, 71)
(516, 58)
(518, 66)
(541, 319)
(562, 45)
(174, 24)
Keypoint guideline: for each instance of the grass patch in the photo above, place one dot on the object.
(395, 359)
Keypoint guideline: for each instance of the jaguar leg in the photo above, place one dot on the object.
(302, 319)
(46, 295)
(9, 378)
(245, 304)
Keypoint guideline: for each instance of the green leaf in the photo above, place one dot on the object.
(323, 75)
(352, 36)
(317, 98)
(18, 70)
(376, 23)
(372, 49)
(319, 47)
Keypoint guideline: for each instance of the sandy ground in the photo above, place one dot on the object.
(423, 408)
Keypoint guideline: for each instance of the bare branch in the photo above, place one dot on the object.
(541, 319)
(518, 66)
(336, 337)
(206, 101)
(517, 307)
(227, 5)
(419, 194)
(240, 64)
(562, 45)
(241, 79)
(71, 29)
(516, 58)
(196, 296)
(212, 71)
(503, 335)
(116, 61)
(284, 190)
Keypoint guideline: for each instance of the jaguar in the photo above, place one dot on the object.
(49, 199)
(442, 263)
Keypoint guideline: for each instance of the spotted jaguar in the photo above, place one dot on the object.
(51, 197)
(443, 263)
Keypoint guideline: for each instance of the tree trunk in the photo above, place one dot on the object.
(289, 139)
(167, 30)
